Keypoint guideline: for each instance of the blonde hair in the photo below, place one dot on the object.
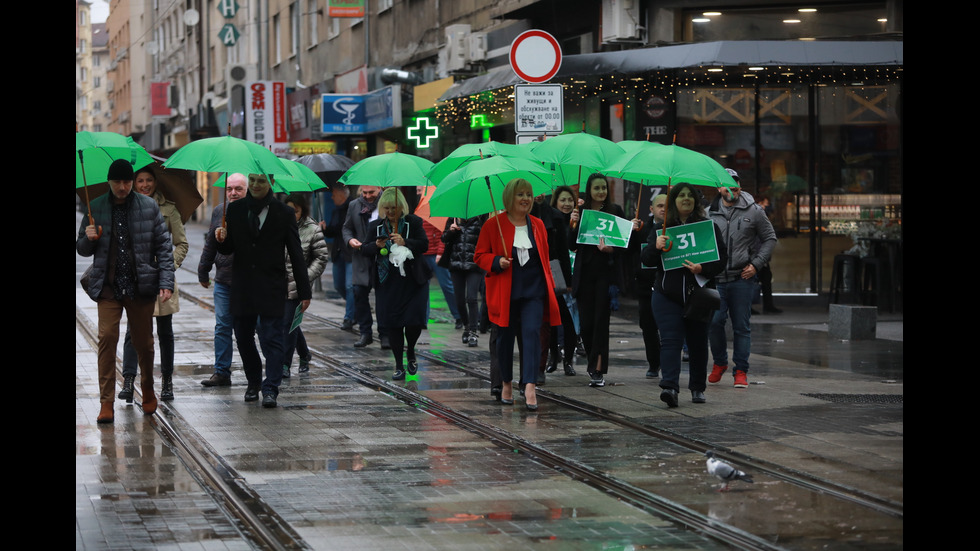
(392, 196)
(511, 189)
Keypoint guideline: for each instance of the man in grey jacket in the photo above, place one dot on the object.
(360, 213)
(235, 188)
(133, 263)
(749, 239)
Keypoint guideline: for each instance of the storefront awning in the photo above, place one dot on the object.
(764, 53)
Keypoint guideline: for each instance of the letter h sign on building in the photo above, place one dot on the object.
(265, 115)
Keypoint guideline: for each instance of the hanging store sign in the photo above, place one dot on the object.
(160, 99)
(228, 8)
(346, 8)
(361, 113)
(228, 35)
(265, 115)
(538, 109)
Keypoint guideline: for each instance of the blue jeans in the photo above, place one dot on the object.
(674, 330)
(270, 339)
(223, 325)
(736, 302)
(445, 283)
(343, 283)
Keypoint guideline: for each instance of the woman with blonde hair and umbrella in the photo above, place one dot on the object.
(401, 276)
(513, 251)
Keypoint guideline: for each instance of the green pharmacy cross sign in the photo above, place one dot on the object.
(480, 121)
(422, 132)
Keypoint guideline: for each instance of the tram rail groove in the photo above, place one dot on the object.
(258, 524)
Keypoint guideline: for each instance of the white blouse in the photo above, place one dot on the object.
(522, 242)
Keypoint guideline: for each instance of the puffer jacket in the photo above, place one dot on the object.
(747, 235)
(315, 252)
(152, 250)
(179, 239)
(461, 243)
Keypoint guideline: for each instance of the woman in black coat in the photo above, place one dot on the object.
(671, 292)
(401, 277)
(597, 267)
(460, 238)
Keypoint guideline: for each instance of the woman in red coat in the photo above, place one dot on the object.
(519, 285)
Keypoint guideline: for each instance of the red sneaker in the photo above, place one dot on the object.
(741, 381)
(716, 372)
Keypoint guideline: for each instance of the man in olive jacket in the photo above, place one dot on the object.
(261, 230)
(133, 264)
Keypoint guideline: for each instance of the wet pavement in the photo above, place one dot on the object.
(340, 465)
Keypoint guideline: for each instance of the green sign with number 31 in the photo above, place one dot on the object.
(694, 242)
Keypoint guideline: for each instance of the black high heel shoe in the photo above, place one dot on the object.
(507, 401)
(530, 391)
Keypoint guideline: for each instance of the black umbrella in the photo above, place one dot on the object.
(326, 162)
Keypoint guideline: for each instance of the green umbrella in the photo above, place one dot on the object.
(227, 154)
(389, 169)
(660, 164)
(477, 187)
(95, 151)
(300, 180)
(470, 152)
(575, 156)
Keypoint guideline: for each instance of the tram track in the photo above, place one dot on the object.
(258, 523)
(246, 508)
(756, 465)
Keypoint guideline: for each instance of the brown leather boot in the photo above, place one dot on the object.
(105, 414)
(149, 401)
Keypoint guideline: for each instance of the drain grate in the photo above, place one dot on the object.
(859, 398)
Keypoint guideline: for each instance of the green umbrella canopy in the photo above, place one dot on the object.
(389, 169)
(227, 154)
(575, 156)
(301, 179)
(477, 187)
(95, 151)
(470, 152)
(668, 165)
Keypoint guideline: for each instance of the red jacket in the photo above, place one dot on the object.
(489, 247)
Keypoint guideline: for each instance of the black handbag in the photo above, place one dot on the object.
(701, 304)
(420, 271)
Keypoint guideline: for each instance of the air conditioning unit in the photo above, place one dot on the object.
(621, 21)
(240, 74)
(476, 47)
(457, 47)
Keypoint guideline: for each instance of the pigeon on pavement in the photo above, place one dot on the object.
(725, 472)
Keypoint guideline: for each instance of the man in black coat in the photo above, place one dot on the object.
(260, 231)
